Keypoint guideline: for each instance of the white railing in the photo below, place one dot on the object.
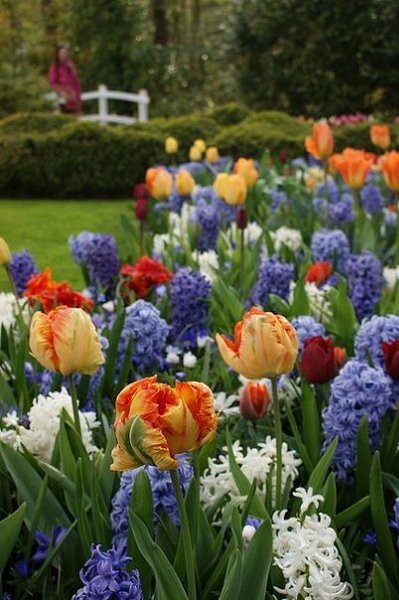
(103, 94)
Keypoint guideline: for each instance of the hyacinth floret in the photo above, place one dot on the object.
(358, 390)
(208, 220)
(307, 327)
(342, 211)
(22, 267)
(274, 277)
(371, 336)
(371, 199)
(365, 283)
(329, 246)
(190, 293)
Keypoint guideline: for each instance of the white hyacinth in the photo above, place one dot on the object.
(391, 276)
(305, 551)
(208, 263)
(9, 310)
(226, 405)
(256, 463)
(285, 236)
(319, 301)
(252, 233)
(44, 420)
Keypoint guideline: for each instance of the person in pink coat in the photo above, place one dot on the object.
(64, 79)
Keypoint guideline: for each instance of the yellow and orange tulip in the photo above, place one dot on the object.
(389, 164)
(184, 183)
(5, 254)
(195, 154)
(321, 144)
(353, 165)
(235, 190)
(219, 185)
(380, 136)
(246, 168)
(65, 340)
(154, 422)
(265, 345)
(212, 154)
(159, 182)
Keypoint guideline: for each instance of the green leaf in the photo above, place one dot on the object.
(363, 462)
(110, 364)
(310, 421)
(316, 480)
(381, 587)
(350, 514)
(168, 584)
(330, 495)
(256, 565)
(300, 304)
(9, 532)
(231, 586)
(298, 439)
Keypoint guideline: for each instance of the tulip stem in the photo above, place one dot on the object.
(15, 292)
(76, 416)
(279, 441)
(242, 257)
(141, 237)
(188, 549)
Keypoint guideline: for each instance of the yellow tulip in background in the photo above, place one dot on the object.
(195, 154)
(159, 182)
(212, 154)
(184, 183)
(5, 254)
(200, 144)
(171, 145)
(235, 190)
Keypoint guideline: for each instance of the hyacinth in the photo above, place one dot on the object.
(304, 549)
(357, 390)
(190, 293)
(9, 309)
(99, 254)
(342, 211)
(22, 267)
(274, 277)
(175, 201)
(307, 327)
(164, 499)
(371, 336)
(390, 218)
(148, 330)
(329, 246)
(365, 283)
(104, 576)
(285, 236)
(257, 463)
(226, 211)
(278, 198)
(371, 199)
(208, 221)
(329, 190)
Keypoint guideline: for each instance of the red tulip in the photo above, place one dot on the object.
(140, 191)
(254, 401)
(242, 218)
(391, 357)
(141, 209)
(318, 273)
(143, 276)
(318, 362)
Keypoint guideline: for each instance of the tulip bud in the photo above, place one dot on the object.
(219, 185)
(184, 183)
(391, 358)
(141, 209)
(380, 136)
(195, 154)
(340, 356)
(200, 144)
(246, 168)
(318, 363)
(5, 254)
(140, 191)
(241, 218)
(212, 154)
(171, 145)
(254, 401)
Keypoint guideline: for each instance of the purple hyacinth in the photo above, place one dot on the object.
(98, 253)
(329, 245)
(208, 220)
(163, 496)
(274, 277)
(365, 283)
(144, 325)
(227, 212)
(190, 293)
(371, 199)
(278, 198)
(342, 211)
(104, 576)
(22, 267)
(307, 327)
(371, 336)
(329, 190)
(175, 201)
(357, 391)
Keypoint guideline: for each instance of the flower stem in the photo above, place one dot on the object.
(141, 237)
(188, 549)
(242, 257)
(279, 442)
(22, 323)
(397, 227)
(76, 416)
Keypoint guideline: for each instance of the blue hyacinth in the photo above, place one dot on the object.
(371, 199)
(278, 198)
(358, 390)
(22, 267)
(274, 277)
(208, 220)
(98, 253)
(190, 293)
(329, 246)
(342, 211)
(104, 576)
(329, 190)
(307, 327)
(144, 325)
(163, 496)
(365, 283)
(371, 336)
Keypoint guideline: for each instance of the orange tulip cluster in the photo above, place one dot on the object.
(49, 294)
(353, 165)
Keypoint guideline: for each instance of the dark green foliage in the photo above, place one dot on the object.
(39, 122)
(358, 136)
(230, 114)
(22, 93)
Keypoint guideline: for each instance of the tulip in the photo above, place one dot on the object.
(195, 154)
(159, 182)
(5, 254)
(389, 164)
(184, 183)
(235, 190)
(212, 154)
(154, 422)
(171, 145)
(318, 273)
(241, 219)
(265, 345)
(200, 145)
(140, 191)
(246, 168)
(340, 356)
(380, 136)
(141, 209)
(353, 165)
(254, 401)
(318, 361)
(391, 358)
(219, 185)
(321, 144)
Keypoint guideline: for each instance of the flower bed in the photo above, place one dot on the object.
(215, 415)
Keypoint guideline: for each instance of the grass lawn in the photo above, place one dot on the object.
(43, 228)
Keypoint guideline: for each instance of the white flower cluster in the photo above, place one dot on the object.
(208, 263)
(44, 420)
(252, 233)
(9, 310)
(319, 301)
(305, 551)
(257, 463)
(226, 405)
(391, 276)
(284, 236)
(178, 229)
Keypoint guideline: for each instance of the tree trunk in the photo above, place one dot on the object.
(160, 18)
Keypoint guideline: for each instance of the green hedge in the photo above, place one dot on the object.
(358, 136)
(230, 114)
(33, 122)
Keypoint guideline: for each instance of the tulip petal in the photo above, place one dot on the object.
(41, 341)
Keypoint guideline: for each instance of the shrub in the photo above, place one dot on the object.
(33, 122)
(358, 136)
(230, 114)
(18, 94)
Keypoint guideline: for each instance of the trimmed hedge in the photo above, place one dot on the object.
(230, 114)
(33, 122)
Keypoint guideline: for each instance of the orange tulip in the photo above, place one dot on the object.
(380, 136)
(353, 165)
(235, 190)
(65, 340)
(254, 401)
(246, 168)
(184, 183)
(389, 164)
(154, 422)
(159, 182)
(321, 144)
(265, 345)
